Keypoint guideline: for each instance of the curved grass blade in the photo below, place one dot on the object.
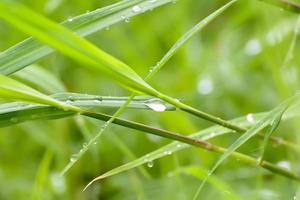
(72, 45)
(186, 37)
(31, 50)
(274, 124)
(272, 116)
(11, 89)
(39, 78)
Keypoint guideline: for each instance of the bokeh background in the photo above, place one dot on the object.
(238, 64)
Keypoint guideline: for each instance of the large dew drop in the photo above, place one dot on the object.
(136, 9)
(156, 106)
(250, 118)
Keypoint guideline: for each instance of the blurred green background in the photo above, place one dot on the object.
(235, 66)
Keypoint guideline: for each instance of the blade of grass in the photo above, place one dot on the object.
(31, 50)
(11, 89)
(72, 45)
(40, 79)
(250, 133)
(274, 124)
(18, 112)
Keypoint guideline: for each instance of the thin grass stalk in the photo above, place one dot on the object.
(194, 142)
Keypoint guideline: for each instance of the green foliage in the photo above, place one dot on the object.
(243, 61)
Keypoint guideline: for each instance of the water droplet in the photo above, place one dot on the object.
(212, 134)
(284, 164)
(70, 19)
(84, 145)
(253, 47)
(150, 164)
(205, 86)
(73, 158)
(95, 142)
(250, 118)
(136, 9)
(69, 101)
(153, 1)
(96, 101)
(58, 183)
(178, 145)
(151, 69)
(156, 105)
(168, 152)
(127, 19)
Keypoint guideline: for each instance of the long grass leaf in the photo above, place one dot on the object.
(40, 79)
(72, 45)
(31, 50)
(18, 112)
(14, 90)
(250, 133)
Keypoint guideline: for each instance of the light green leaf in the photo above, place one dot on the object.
(260, 125)
(31, 50)
(40, 79)
(18, 112)
(72, 45)
(11, 89)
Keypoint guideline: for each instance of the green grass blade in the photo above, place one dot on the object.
(14, 90)
(274, 124)
(271, 117)
(18, 112)
(40, 79)
(31, 50)
(72, 45)
(188, 35)
(42, 177)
